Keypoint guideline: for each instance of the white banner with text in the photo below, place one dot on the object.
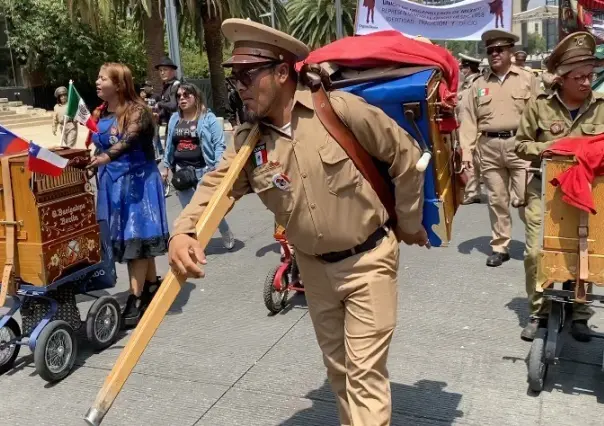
(466, 20)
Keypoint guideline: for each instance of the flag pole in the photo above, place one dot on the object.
(65, 115)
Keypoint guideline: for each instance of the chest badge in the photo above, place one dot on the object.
(113, 139)
(282, 181)
(483, 92)
(260, 155)
(113, 130)
(193, 127)
(556, 128)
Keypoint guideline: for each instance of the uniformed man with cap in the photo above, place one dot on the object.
(570, 109)
(495, 103)
(520, 60)
(470, 71)
(346, 252)
(67, 127)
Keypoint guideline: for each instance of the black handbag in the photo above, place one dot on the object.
(184, 178)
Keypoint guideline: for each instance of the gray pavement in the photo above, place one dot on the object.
(219, 359)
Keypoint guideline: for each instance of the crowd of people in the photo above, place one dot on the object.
(308, 182)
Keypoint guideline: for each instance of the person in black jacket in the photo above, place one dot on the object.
(167, 103)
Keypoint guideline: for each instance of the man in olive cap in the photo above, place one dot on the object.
(570, 109)
(346, 250)
(470, 71)
(495, 103)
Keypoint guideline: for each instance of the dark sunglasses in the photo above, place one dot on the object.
(184, 95)
(247, 77)
(498, 50)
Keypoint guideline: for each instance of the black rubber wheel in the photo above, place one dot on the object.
(9, 354)
(103, 322)
(275, 300)
(537, 367)
(56, 351)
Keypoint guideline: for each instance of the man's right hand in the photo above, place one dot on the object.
(184, 255)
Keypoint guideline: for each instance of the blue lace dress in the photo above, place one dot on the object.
(131, 193)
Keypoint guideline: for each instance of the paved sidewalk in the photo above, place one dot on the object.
(219, 359)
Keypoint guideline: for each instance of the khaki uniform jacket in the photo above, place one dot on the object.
(493, 106)
(328, 205)
(546, 119)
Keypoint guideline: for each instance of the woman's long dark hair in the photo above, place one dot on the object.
(200, 101)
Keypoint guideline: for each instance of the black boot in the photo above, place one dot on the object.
(132, 313)
(530, 330)
(497, 259)
(580, 331)
(149, 290)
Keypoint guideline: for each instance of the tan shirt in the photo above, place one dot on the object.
(546, 119)
(328, 206)
(494, 106)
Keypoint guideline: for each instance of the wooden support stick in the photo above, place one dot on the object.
(207, 224)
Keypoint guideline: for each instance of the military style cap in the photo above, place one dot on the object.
(62, 90)
(259, 44)
(467, 60)
(575, 50)
(499, 38)
(520, 53)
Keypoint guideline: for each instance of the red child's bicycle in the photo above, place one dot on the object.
(283, 278)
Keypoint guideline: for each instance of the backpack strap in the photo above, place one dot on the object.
(314, 78)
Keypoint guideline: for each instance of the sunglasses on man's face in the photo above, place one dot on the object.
(247, 76)
(499, 50)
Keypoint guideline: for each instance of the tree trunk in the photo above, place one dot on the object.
(214, 47)
(154, 45)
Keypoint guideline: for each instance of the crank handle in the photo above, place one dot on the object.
(422, 163)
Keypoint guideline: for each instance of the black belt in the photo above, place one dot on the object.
(369, 244)
(502, 135)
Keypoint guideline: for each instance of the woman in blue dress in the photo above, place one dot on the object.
(130, 193)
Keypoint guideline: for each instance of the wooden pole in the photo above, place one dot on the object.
(217, 208)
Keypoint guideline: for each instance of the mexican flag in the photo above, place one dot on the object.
(77, 109)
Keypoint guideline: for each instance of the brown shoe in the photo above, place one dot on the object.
(530, 331)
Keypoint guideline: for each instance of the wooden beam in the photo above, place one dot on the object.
(207, 224)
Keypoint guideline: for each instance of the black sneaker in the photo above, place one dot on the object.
(149, 290)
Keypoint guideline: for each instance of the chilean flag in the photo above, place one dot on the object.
(11, 143)
(44, 161)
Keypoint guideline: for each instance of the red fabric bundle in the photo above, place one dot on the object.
(386, 48)
(576, 181)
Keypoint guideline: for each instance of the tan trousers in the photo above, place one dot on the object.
(504, 175)
(531, 215)
(473, 185)
(352, 304)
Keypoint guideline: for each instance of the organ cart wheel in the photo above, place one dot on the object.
(275, 300)
(537, 366)
(55, 351)
(103, 322)
(9, 351)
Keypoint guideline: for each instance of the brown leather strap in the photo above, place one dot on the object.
(342, 134)
(583, 232)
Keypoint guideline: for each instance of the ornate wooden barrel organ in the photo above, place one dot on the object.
(55, 220)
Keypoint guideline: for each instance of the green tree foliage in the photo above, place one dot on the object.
(536, 44)
(314, 21)
(47, 41)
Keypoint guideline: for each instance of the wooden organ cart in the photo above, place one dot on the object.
(51, 248)
(571, 263)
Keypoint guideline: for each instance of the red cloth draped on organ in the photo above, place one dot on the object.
(385, 48)
(576, 181)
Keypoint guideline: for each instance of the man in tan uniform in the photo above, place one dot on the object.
(571, 109)
(469, 72)
(495, 102)
(345, 250)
